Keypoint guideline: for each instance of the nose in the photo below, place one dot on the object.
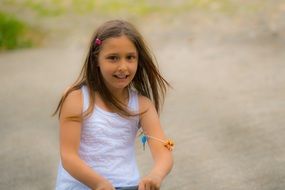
(123, 65)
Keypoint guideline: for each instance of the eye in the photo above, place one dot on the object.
(113, 58)
(131, 57)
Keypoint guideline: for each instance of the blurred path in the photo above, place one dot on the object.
(226, 111)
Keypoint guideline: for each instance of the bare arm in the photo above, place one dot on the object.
(69, 144)
(162, 157)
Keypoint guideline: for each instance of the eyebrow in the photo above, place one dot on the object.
(129, 53)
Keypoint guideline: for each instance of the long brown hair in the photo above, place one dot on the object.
(147, 80)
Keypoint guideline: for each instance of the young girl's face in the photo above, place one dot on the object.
(118, 62)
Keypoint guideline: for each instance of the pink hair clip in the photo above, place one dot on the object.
(98, 41)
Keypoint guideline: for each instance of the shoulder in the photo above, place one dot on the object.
(74, 95)
(145, 103)
(72, 103)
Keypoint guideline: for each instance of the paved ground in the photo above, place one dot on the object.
(225, 112)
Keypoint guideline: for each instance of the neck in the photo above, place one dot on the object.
(121, 95)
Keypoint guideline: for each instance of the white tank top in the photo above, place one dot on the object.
(107, 145)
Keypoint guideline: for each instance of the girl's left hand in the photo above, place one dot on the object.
(150, 182)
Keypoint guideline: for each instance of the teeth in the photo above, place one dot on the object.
(121, 76)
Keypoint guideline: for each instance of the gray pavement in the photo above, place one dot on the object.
(225, 112)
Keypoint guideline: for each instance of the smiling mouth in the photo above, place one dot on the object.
(121, 76)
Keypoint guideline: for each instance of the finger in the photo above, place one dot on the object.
(155, 187)
(152, 186)
(141, 186)
(147, 186)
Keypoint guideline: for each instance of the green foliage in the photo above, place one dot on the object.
(82, 6)
(11, 33)
(137, 7)
(15, 33)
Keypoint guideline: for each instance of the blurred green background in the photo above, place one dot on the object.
(28, 23)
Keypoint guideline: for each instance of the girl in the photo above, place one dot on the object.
(102, 111)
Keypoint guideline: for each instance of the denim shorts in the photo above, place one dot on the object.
(127, 188)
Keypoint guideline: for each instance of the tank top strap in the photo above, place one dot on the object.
(85, 97)
(133, 101)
